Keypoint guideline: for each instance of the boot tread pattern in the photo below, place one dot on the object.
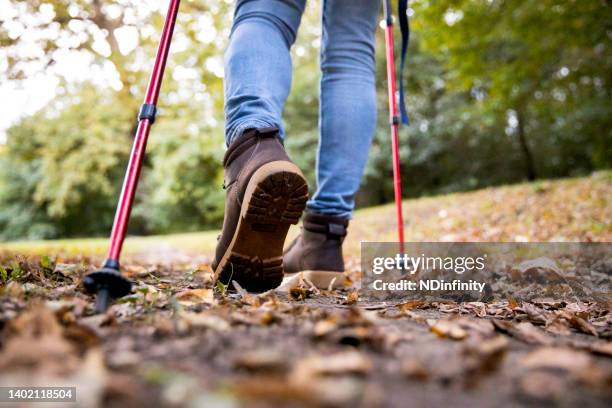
(279, 198)
(277, 201)
(253, 273)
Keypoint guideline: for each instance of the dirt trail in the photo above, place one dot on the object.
(178, 342)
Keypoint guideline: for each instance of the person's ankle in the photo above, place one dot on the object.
(319, 246)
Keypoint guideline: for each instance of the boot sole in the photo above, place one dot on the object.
(274, 199)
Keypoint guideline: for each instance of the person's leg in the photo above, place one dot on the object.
(258, 64)
(348, 103)
(265, 191)
(347, 124)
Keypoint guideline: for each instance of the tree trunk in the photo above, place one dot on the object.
(529, 163)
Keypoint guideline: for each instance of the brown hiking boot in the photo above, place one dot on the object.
(317, 251)
(266, 193)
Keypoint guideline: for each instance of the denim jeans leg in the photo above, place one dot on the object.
(348, 103)
(258, 64)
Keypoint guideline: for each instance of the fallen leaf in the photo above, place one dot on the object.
(13, 290)
(352, 298)
(267, 360)
(347, 362)
(324, 327)
(540, 270)
(205, 320)
(578, 323)
(558, 358)
(603, 349)
(523, 331)
(534, 313)
(123, 359)
(72, 271)
(414, 369)
(330, 380)
(299, 293)
(413, 304)
(38, 351)
(447, 328)
(239, 289)
(484, 356)
(542, 385)
(196, 296)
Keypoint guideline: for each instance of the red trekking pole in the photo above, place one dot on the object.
(393, 113)
(107, 282)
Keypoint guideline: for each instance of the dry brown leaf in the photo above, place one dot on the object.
(447, 328)
(330, 380)
(548, 303)
(602, 348)
(524, 331)
(90, 379)
(414, 316)
(578, 323)
(414, 369)
(205, 320)
(542, 385)
(324, 327)
(72, 271)
(299, 293)
(534, 313)
(13, 290)
(123, 359)
(484, 356)
(575, 364)
(352, 298)
(458, 328)
(268, 317)
(239, 289)
(540, 269)
(347, 362)
(267, 360)
(39, 351)
(413, 304)
(196, 296)
(478, 309)
(558, 358)
(512, 302)
(558, 326)
(531, 334)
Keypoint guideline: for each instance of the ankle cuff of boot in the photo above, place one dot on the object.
(333, 227)
(247, 139)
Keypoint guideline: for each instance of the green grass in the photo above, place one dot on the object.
(204, 241)
(573, 209)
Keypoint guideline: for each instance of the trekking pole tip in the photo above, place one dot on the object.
(102, 301)
(107, 284)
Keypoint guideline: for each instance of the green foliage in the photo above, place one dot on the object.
(543, 67)
(221, 288)
(65, 167)
(3, 275)
(183, 188)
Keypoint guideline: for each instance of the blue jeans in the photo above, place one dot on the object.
(258, 79)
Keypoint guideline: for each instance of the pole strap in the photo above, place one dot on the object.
(402, 6)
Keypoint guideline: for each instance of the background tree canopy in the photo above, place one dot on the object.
(498, 91)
